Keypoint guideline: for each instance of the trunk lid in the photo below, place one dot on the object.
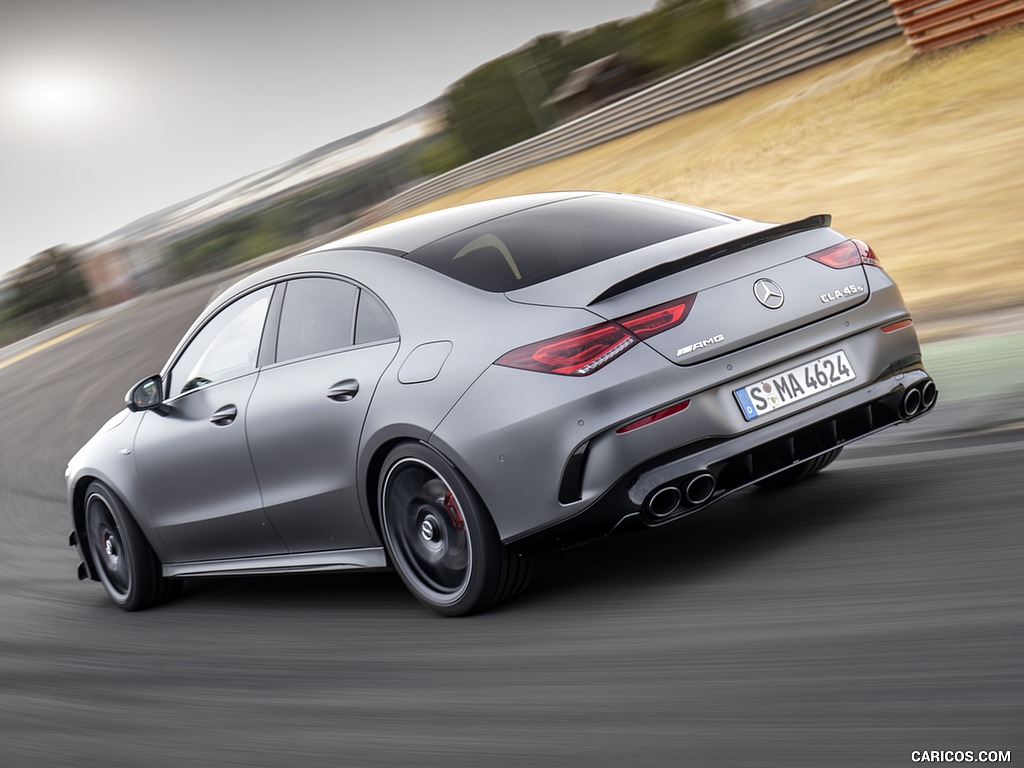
(750, 282)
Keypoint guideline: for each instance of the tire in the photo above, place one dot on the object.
(800, 472)
(440, 538)
(121, 557)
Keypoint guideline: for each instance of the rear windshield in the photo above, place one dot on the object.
(537, 244)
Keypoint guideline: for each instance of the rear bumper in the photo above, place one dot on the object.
(716, 468)
(542, 450)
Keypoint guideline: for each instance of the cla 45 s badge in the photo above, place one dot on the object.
(849, 290)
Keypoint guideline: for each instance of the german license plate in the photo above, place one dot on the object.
(794, 385)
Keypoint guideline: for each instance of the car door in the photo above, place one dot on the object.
(193, 457)
(306, 414)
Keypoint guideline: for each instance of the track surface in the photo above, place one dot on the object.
(875, 610)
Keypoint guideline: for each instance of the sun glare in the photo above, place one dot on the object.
(42, 98)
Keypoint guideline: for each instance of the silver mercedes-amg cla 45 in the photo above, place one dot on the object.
(452, 394)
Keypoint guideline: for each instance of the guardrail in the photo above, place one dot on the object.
(931, 24)
(835, 32)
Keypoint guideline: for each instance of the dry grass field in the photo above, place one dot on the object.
(920, 155)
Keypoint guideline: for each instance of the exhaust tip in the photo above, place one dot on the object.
(911, 403)
(700, 488)
(664, 501)
(929, 394)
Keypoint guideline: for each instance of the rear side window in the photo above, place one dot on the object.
(373, 321)
(318, 315)
(537, 244)
(321, 315)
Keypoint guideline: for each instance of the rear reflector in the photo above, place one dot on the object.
(653, 417)
(897, 326)
(849, 253)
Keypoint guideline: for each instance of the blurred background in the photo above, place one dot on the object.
(149, 154)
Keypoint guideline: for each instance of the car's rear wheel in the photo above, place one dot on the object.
(439, 536)
(121, 557)
(801, 472)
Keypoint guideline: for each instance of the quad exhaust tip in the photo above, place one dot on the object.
(929, 394)
(910, 404)
(692, 493)
(700, 488)
(664, 501)
(918, 399)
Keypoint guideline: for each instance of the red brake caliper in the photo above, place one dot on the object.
(454, 512)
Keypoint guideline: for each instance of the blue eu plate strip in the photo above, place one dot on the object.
(748, 407)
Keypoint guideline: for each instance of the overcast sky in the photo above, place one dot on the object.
(113, 109)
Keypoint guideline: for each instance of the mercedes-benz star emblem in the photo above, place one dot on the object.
(769, 293)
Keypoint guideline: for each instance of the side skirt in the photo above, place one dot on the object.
(305, 562)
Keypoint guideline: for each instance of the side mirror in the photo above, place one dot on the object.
(147, 395)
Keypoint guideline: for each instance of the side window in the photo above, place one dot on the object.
(373, 321)
(317, 316)
(226, 347)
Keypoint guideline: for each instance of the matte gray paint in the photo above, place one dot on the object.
(304, 446)
(518, 474)
(197, 480)
(509, 431)
(425, 362)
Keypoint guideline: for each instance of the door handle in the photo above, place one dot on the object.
(224, 416)
(343, 391)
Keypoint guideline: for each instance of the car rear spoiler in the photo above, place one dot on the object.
(659, 271)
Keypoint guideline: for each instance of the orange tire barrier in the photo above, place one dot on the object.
(931, 24)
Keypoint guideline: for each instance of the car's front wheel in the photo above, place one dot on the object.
(439, 536)
(121, 557)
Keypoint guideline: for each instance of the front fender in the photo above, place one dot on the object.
(109, 457)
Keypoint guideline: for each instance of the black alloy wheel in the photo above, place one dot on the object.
(121, 557)
(439, 536)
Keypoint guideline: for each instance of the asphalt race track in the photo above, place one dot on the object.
(876, 610)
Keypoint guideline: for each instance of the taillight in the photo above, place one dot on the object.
(867, 256)
(582, 352)
(849, 253)
(572, 354)
(653, 321)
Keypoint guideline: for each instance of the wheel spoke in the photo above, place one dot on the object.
(108, 548)
(431, 541)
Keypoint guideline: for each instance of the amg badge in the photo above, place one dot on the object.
(699, 345)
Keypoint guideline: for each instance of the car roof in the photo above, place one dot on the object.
(410, 240)
(409, 234)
